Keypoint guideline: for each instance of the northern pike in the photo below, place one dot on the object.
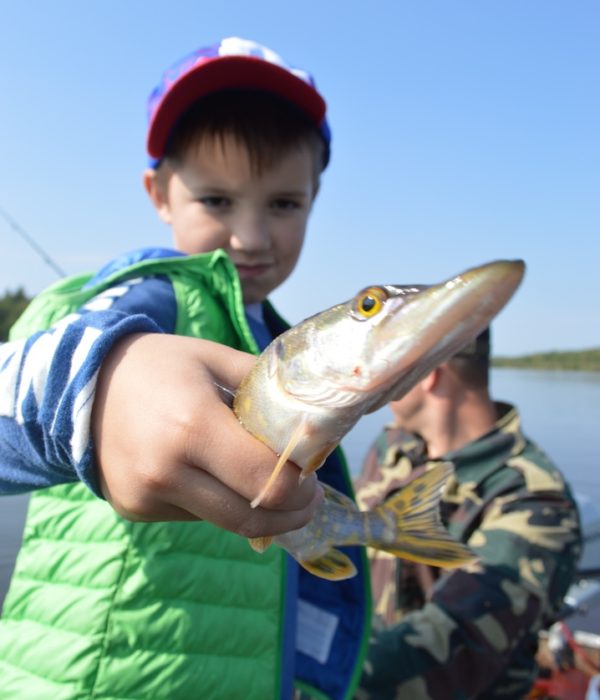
(311, 385)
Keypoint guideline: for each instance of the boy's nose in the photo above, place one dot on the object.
(250, 232)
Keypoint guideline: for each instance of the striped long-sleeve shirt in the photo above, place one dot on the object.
(47, 381)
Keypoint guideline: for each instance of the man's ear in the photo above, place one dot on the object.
(156, 185)
(431, 380)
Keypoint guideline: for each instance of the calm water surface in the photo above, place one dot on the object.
(560, 411)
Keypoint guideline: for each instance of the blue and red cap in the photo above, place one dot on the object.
(232, 63)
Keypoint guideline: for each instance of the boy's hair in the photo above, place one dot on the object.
(268, 126)
(215, 78)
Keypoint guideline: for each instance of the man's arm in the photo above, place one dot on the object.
(461, 642)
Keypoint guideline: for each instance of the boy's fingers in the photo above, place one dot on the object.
(227, 366)
(205, 497)
(195, 495)
(244, 464)
(185, 424)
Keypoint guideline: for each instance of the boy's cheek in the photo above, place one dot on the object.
(191, 242)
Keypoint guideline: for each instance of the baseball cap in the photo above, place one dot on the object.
(479, 347)
(232, 63)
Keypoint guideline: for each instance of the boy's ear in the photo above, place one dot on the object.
(156, 185)
(316, 190)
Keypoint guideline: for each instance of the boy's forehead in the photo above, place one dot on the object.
(231, 63)
(228, 163)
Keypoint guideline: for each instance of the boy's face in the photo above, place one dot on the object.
(213, 199)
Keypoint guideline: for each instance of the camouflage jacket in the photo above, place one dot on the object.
(471, 633)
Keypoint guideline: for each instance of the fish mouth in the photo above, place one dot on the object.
(428, 324)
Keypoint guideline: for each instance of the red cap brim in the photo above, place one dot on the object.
(222, 73)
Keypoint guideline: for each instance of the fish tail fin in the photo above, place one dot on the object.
(414, 529)
(261, 544)
(334, 565)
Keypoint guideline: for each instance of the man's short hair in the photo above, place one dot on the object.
(478, 347)
(472, 362)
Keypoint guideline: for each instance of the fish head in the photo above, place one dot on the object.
(379, 344)
(312, 384)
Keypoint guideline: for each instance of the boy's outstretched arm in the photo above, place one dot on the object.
(168, 448)
(47, 383)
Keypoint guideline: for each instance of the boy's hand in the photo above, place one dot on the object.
(168, 448)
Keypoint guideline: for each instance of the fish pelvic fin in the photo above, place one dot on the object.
(298, 433)
(260, 544)
(334, 565)
(317, 461)
(413, 522)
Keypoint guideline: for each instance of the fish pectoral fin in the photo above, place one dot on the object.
(333, 565)
(297, 435)
(413, 514)
(260, 544)
(421, 497)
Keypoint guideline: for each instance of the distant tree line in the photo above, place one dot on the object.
(585, 360)
(11, 306)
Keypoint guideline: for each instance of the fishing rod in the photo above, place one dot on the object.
(20, 231)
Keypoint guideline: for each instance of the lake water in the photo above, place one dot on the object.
(560, 411)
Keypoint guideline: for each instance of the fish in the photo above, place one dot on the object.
(406, 525)
(312, 384)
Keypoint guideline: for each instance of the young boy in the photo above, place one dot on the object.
(101, 606)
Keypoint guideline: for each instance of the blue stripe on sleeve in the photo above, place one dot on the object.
(47, 384)
(47, 381)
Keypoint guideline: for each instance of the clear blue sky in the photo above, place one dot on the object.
(463, 132)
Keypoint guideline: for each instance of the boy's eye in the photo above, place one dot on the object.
(215, 201)
(285, 204)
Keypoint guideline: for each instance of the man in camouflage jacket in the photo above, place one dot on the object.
(469, 633)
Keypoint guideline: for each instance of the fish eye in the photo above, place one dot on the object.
(369, 302)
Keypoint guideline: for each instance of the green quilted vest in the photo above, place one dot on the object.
(100, 607)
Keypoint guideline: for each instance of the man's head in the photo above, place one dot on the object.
(458, 384)
(238, 141)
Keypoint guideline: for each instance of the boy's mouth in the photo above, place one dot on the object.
(250, 271)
